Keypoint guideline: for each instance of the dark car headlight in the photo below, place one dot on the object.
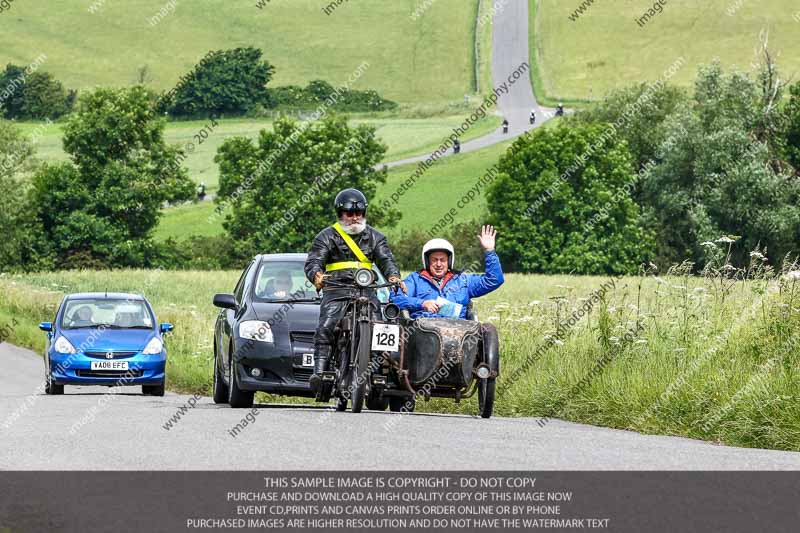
(364, 277)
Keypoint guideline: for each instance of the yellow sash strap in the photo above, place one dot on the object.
(363, 261)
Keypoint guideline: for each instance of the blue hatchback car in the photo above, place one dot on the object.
(106, 339)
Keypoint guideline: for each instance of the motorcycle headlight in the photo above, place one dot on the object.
(364, 277)
(62, 345)
(256, 330)
(153, 347)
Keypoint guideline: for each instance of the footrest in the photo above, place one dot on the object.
(328, 376)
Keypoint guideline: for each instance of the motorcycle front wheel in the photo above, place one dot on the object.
(360, 371)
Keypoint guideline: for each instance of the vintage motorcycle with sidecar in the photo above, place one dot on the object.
(385, 359)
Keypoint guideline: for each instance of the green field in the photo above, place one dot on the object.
(703, 342)
(606, 48)
(404, 137)
(434, 194)
(409, 61)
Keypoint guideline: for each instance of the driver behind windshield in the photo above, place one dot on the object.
(280, 286)
(82, 316)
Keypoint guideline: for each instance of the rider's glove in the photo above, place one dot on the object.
(319, 280)
(395, 279)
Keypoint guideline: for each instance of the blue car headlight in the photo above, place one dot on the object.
(155, 346)
(62, 345)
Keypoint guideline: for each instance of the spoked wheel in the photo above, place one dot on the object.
(491, 357)
(486, 397)
(359, 376)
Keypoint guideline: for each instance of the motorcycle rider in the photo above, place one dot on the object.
(505, 125)
(560, 110)
(456, 146)
(337, 252)
(533, 116)
(437, 285)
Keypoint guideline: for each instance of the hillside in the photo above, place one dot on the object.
(609, 46)
(410, 61)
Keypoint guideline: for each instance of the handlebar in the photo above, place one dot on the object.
(353, 284)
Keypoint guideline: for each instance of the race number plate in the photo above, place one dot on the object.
(308, 359)
(109, 365)
(385, 337)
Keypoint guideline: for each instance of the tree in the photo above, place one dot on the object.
(562, 204)
(35, 95)
(19, 247)
(792, 136)
(100, 208)
(225, 81)
(639, 112)
(722, 175)
(281, 189)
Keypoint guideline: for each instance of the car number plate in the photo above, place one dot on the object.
(385, 337)
(109, 365)
(308, 359)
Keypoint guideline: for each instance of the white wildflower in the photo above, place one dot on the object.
(725, 240)
(793, 274)
(640, 341)
(535, 302)
(757, 255)
(708, 243)
(558, 342)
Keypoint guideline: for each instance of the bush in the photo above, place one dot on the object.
(224, 82)
(34, 96)
(562, 204)
(320, 92)
(722, 176)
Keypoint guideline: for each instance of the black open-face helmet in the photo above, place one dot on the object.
(350, 200)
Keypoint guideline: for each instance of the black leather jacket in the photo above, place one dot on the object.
(329, 247)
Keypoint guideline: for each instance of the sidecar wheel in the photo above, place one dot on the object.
(486, 397)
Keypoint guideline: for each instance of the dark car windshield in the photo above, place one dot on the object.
(281, 281)
(114, 314)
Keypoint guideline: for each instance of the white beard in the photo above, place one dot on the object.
(353, 228)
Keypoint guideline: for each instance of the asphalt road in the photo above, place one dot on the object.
(87, 428)
(509, 51)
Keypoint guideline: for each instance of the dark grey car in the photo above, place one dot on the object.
(264, 333)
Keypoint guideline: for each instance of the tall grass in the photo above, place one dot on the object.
(713, 356)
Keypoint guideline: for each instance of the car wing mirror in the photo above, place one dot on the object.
(46, 326)
(225, 301)
(166, 328)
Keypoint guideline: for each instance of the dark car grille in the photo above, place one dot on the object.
(104, 355)
(303, 337)
(302, 374)
(109, 373)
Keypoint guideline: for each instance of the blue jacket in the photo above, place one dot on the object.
(460, 288)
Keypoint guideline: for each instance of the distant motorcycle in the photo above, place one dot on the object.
(456, 146)
(560, 110)
(505, 126)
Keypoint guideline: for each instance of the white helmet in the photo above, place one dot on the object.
(438, 245)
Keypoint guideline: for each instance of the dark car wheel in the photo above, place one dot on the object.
(237, 397)
(50, 387)
(153, 390)
(220, 388)
(341, 404)
(375, 404)
(397, 403)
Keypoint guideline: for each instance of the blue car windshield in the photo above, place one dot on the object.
(114, 314)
